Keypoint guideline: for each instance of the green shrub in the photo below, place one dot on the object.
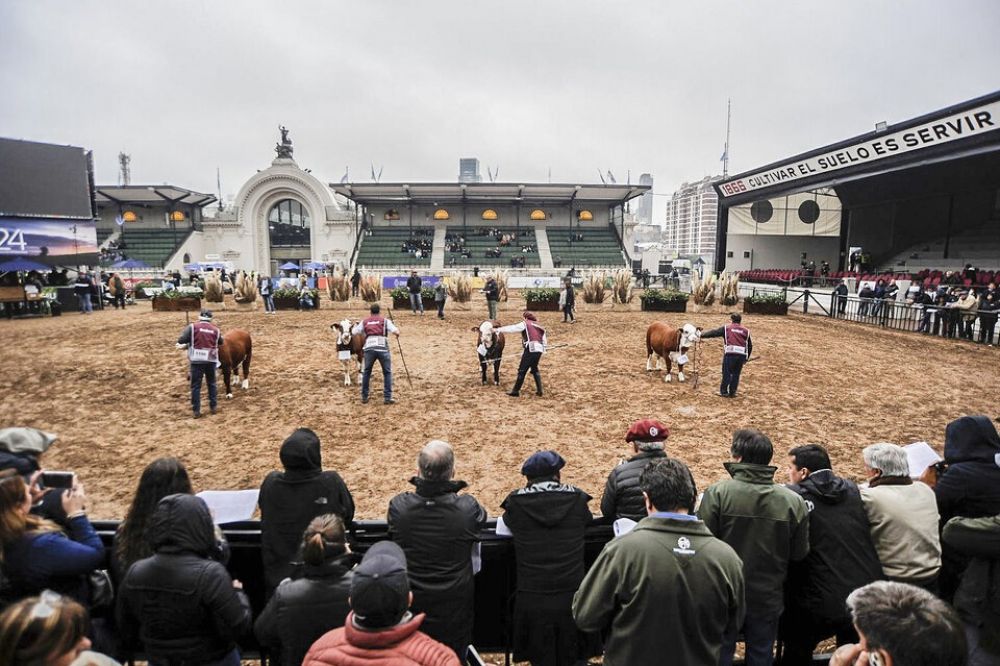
(664, 296)
(294, 293)
(766, 298)
(541, 295)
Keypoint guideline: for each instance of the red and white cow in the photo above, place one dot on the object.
(350, 348)
(669, 344)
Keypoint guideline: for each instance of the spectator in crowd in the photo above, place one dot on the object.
(841, 291)
(36, 553)
(180, 604)
(903, 517)
(265, 286)
(867, 294)
(440, 295)
(879, 295)
(969, 273)
(967, 307)
(437, 529)
(622, 496)
(969, 486)
(988, 310)
(82, 289)
(568, 302)
(492, 292)
(888, 300)
(21, 450)
(413, 285)
(355, 281)
(547, 520)
(116, 287)
(768, 527)
(162, 477)
(289, 500)
(306, 301)
(668, 590)
(978, 597)
(922, 301)
(48, 630)
(380, 628)
(841, 557)
(953, 315)
(901, 625)
(305, 608)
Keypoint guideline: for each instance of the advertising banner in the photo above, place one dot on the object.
(527, 282)
(50, 241)
(393, 281)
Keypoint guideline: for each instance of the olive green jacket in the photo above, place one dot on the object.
(766, 524)
(667, 591)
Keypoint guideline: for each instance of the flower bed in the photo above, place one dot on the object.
(288, 299)
(542, 299)
(664, 300)
(767, 304)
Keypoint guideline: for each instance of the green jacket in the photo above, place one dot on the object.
(766, 524)
(667, 591)
(978, 597)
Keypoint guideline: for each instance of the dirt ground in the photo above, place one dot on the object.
(113, 387)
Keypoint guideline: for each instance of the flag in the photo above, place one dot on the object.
(611, 177)
(725, 154)
(373, 172)
(346, 172)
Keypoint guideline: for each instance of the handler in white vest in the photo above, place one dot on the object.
(534, 340)
(202, 340)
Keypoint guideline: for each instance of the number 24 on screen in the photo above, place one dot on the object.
(12, 240)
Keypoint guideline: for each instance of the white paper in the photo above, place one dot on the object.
(230, 506)
(920, 456)
(502, 529)
(481, 349)
(623, 526)
(344, 354)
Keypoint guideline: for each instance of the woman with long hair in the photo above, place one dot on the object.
(36, 553)
(49, 630)
(162, 477)
(304, 608)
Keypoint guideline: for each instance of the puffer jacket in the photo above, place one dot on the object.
(841, 555)
(622, 497)
(978, 597)
(305, 608)
(765, 523)
(180, 604)
(289, 500)
(971, 485)
(402, 645)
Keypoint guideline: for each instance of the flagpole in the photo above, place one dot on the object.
(725, 154)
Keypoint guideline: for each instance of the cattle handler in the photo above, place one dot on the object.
(376, 330)
(737, 349)
(202, 340)
(534, 341)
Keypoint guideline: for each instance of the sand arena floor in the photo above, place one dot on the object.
(114, 388)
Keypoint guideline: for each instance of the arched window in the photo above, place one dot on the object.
(538, 214)
(584, 215)
(288, 223)
(441, 214)
(490, 214)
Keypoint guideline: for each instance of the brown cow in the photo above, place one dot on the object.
(666, 343)
(236, 349)
(489, 346)
(349, 347)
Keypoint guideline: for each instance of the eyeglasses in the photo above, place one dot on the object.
(45, 607)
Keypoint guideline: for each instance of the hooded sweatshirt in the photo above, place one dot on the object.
(548, 520)
(971, 485)
(841, 555)
(290, 499)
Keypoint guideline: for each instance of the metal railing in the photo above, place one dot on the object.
(948, 322)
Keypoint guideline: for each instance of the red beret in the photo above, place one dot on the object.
(647, 430)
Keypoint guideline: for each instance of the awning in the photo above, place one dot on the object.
(511, 193)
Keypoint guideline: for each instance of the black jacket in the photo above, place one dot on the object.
(971, 485)
(437, 527)
(622, 497)
(841, 555)
(305, 608)
(180, 604)
(570, 297)
(548, 520)
(492, 290)
(290, 499)
(978, 597)
(414, 284)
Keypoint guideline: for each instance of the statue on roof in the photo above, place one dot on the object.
(284, 149)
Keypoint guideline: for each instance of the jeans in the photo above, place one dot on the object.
(987, 323)
(119, 300)
(85, 304)
(206, 370)
(385, 360)
(268, 303)
(732, 366)
(759, 632)
(416, 302)
(440, 306)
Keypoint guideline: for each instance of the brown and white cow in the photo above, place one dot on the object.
(489, 346)
(350, 348)
(669, 344)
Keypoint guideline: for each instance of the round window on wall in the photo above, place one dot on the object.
(490, 214)
(538, 214)
(288, 224)
(809, 211)
(441, 214)
(761, 211)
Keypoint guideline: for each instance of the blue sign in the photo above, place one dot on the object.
(393, 281)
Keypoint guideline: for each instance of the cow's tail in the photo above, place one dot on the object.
(649, 344)
(246, 359)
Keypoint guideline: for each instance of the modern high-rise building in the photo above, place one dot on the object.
(644, 215)
(468, 170)
(692, 219)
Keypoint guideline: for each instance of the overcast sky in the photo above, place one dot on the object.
(568, 85)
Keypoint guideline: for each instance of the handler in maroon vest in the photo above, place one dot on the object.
(376, 330)
(202, 340)
(738, 347)
(534, 341)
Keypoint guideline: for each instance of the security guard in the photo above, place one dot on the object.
(534, 341)
(738, 348)
(202, 340)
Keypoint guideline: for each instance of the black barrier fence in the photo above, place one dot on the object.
(949, 322)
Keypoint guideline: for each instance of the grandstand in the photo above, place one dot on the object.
(152, 246)
(979, 247)
(103, 235)
(598, 247)
(383, 247)
(477, 243)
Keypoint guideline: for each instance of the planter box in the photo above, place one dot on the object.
(765, 308)
(286, 304)
(403, 304)
(543, 306)
(177, 304)
(664, 306)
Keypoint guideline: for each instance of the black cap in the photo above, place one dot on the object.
(380, 588)
(542, 463)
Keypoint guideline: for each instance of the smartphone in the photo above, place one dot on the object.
(57, 479)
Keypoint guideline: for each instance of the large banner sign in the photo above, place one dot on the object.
(393, 281)
(41, 237)
(973, 122)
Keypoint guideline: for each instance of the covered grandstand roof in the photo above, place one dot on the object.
(151, 194)
(963, 130)
(534, 193)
